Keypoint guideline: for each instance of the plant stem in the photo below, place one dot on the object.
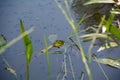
(83, 59)
(27, 69)
(48, 59)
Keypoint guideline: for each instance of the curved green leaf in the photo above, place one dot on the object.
(27, 43)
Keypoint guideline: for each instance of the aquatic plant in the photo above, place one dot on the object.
(47, 57)
(12, 42)
(28, 49)
(73, 26)
(108, 29)
(28, 45)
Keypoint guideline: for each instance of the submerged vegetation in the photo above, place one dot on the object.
(108, 30)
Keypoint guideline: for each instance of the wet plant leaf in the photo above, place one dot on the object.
(89, 37)
(107, 46)
(115, 31)
(115, 11)
(109, 61)
(111, 28)
(98, 1)
(27, 43)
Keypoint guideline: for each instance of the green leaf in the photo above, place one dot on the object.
(115, 31)
(109, 61)
(98, 1)
(3, 41)
(111, 28)
(27, 43)
(3, 48)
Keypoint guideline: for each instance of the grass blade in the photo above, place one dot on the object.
(3, 48)
(98, 1)
(97, 35)
(111, 28)
(28, 49)
(94, 56)
(27, 43)
(109, 61)
(48, 59)
(78, 41)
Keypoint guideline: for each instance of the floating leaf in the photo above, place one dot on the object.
(108, 61)
(27, 43)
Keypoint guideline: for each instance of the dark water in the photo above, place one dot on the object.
(47, 19)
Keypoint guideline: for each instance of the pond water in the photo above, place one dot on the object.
(47, 19)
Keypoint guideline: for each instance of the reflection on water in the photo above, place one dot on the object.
(94, 12)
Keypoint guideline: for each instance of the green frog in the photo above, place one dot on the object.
(56, 43)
